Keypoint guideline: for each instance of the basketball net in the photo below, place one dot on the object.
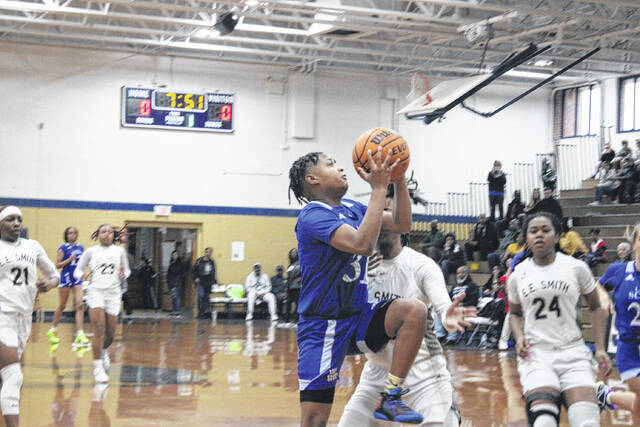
(420, 88)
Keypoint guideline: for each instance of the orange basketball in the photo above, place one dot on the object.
(392, 145)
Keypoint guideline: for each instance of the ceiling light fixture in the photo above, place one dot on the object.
(317, 28)
(269, 29)
(543, 62)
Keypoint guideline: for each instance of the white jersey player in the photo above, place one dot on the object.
(405, 273)
(108, 264)
(20, 260)
(554, 363)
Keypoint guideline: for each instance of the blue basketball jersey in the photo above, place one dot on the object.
(68, 250)
(333, 282)
(626, 293)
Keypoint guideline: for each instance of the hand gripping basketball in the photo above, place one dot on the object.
(393, 146)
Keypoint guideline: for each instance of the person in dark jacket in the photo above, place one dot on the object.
(175, 281)
(464, 283)
(497, 180)
(279, 289)
(434, 238)
(146, 276)
(548, 204)
(293, 286)
(204, 276)
(514, 208)
(452, 256)
(484, 239)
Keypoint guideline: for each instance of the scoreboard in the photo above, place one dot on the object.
(171, 109)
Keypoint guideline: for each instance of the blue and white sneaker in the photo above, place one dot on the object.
(602, 392)
(392, 408)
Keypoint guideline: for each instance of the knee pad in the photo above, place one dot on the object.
(10, 392)
(584, 414)
(550, 412)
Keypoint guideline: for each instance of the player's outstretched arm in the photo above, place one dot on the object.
(399, 220)
(363, 240)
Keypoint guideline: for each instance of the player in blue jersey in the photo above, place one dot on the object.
(624, 279)
(68, 256)
(335, 237)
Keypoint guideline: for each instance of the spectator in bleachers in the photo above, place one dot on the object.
(535, 199)
(628, 178)
(258, 288)
(516, 247)
(597, 248)
(607, 183)
(625, 151)
(624, 252)
(434, 238)
(493, 282)
(607, 155)
(510, 236)
(483, 240)
(204, 274)
(497, 180)
(636, 156)
(293, 286)
(452, 256)
(571, 243)
(279, 289)
(549, 204)
(514, 208)
(464, 283)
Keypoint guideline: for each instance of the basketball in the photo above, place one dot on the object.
(392, 145)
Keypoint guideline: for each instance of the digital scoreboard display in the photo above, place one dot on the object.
(168, 109)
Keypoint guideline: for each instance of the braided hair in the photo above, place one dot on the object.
(297, 173)
(118, 233)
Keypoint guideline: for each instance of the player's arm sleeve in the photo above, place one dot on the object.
(125, 264)
(82, 264)
(45, 265)
(431, 282)
(585, 279)
(512, 289)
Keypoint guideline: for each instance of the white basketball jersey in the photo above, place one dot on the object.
(105, 263)
(19, 263)
(410, 275)
(549, 296)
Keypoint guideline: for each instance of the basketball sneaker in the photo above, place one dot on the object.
(99, 375)
(81, 339)
(80, 351)
(53, 336)
(53, 349)
(392, 408)
(602, 392)
(106, 361)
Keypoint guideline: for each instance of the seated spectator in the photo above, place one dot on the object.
(571, 243)
(483, 240)
(627, 178)
(516, 247)
(492, 282)
(514, 208)
(607, 183)
(607, 155)
(434, 238)
(636, 157)
(464, 283)
(535, 199)
(258, 289)
(625, 151)
(510, 236)
(549, 204)
(279, 289)
(452, 256)
(597, 248)
(624, 252)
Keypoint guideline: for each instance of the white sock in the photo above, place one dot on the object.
(53, 328)
(79, 332)
(97, 363)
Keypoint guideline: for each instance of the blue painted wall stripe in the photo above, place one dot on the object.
(195, 209)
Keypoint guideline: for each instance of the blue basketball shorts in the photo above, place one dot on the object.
(68, 281)
(324, 343)
(628, 359)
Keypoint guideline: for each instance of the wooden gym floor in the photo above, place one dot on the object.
(195, 373)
